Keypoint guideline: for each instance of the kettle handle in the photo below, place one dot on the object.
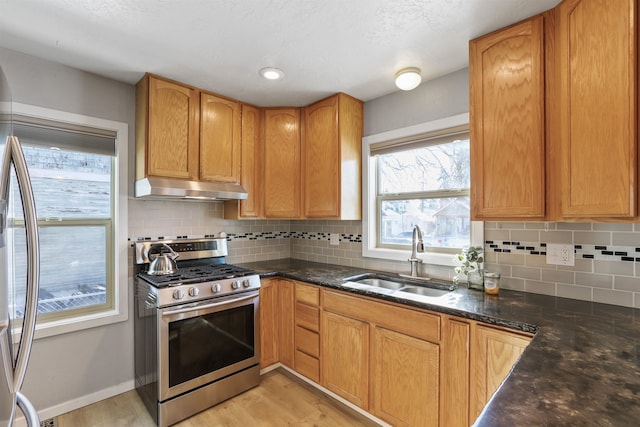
(154, 255)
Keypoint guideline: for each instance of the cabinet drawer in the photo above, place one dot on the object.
(307, 294)
(415, 323)
(307, 366)
(308, 316)
(308, 341)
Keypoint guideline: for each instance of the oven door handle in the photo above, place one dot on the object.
(212, 305)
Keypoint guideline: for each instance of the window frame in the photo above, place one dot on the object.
(119, 248)
(370, 202)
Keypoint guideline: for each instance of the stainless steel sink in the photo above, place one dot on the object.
(425, 291)
(388, 284)
(381, 283)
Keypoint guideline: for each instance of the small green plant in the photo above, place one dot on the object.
(470, 260)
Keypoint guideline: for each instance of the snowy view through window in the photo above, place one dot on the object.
(427, 186)
(73, 202)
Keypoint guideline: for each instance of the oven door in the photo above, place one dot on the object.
(202, 342)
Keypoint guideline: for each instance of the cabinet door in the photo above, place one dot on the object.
(454, 373)
(286, 322)
(282, 163)
(494, 353)
(405, 379)
(598, 78)
(250, 167)
(219, 139)
(506, 74)
(269, 313)
(345, 357)
(322, 160)
(172, 146)
(332, 156)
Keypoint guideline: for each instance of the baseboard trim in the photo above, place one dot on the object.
(80, 402)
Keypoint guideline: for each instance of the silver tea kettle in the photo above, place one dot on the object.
(162, 263)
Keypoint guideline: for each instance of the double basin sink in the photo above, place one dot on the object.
(389, 284)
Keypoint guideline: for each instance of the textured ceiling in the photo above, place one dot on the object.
(323, 46)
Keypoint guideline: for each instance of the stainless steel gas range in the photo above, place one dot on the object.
(196, 329)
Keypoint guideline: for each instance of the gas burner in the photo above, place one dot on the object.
(197, 274)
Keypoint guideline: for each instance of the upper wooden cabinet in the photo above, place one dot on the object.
(332, 152)
(185, 133)
(558, 91)
(282, 187)
(167, 117)
(219, 139)
(506, 74)
(597, 62)
(250, 167)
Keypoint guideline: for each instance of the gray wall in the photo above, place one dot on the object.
(73, 365)
(445, 96)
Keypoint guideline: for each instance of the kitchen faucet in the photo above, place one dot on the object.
(416, 246)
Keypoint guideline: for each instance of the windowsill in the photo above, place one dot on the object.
(79, 323)
(444, 259)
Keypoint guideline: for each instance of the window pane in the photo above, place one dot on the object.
(444, 221)
(432, 168)
(72, 275)
(69, 184)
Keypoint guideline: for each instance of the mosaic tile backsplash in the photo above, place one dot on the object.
(607, 256)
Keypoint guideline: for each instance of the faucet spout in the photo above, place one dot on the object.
(417, 246)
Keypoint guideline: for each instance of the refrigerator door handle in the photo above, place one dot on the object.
(29, 411)
(13, 153)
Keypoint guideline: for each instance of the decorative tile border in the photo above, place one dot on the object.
(597, 252)
(267, 235)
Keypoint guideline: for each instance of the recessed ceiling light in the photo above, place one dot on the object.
(270, 73)
(408, 78)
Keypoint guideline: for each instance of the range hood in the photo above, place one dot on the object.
(180, 189)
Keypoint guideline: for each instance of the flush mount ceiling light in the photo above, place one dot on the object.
(408, 78)
(270, 73)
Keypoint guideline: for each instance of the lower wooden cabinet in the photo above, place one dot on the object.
(307, 331)
(406, 366)
(405, 379)
(345, 357)
(286, 291)
(454, 372)
(269, 309)
(493, 354)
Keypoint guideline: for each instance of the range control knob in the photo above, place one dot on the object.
(235, 284)
(215, 288)
(246, 283)
(193, 292)
(178, 294)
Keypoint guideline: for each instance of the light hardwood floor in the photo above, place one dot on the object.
(280, 400)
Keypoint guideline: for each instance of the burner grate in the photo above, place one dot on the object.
(197, 274)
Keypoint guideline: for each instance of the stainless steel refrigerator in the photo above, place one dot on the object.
(18, 220)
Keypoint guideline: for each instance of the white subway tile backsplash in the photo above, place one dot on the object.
(537, 287)
(613, 267)
(558, 276)
(609, 296)
(604, 281)
(576, 292)
(623, 283)
(526, 272)
(591, 238)
(573, 226)
(607, 266)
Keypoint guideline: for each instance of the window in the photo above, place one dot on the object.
(418, 176)
(76, 175)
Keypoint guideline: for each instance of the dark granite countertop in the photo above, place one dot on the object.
(582, 367)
